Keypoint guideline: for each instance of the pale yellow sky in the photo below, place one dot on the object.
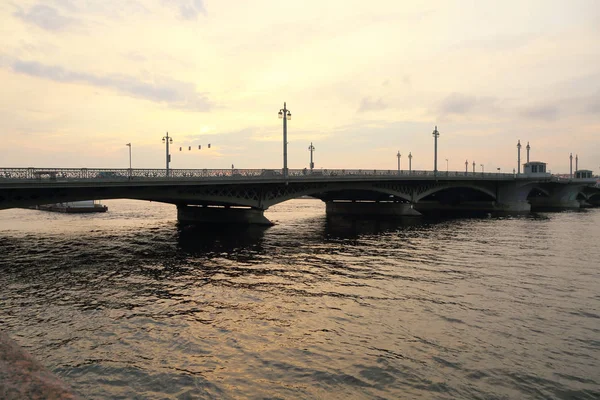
(363, 80)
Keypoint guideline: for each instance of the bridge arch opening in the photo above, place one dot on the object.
(458, 195)
(362, 195)
(594, 199)
(537, 192)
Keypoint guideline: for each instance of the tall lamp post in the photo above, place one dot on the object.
(129, 145)
(466, 167)
(446, 166)
(435, 134)
(398, 155)
(410, 162)
(285, 114)
(528, 148)
(311, 148)
(473, 166)
(518, 157)
(481, 169)
(571, 165)
(167, 140)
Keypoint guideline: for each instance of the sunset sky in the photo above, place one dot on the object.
(363, 80)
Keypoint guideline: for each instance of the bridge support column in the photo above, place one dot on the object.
(369, 208)
(511, 197)
(221, 215)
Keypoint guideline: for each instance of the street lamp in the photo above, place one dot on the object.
(473, 166)
(518, 157)
(481, 168)
(285, 114)
(571, 165)
(409, 162)
(129, 145)
(466, 167)
(311, 148)
(167, 140)
(398, 155)
(446, 166)
(435, 134)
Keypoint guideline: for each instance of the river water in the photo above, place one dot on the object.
(127, 305)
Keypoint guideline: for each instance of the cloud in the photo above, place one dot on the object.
(593, 106)
(188, 9)
(45, 17)
(366, 104)
(135, 56)
(547, 112)
(175, 94)
(458, 103)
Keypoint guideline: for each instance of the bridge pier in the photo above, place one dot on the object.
(370, 208)
(189, 214)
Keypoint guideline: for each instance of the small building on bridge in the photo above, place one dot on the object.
(534, 167)
(583, 173)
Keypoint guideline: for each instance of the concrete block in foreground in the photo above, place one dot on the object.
(22, 377)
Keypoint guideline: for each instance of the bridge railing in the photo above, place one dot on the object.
(104, 174)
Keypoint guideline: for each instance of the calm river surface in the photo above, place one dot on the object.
(127, 305)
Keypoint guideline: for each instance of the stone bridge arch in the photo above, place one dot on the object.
(538, 188)
(428, 191)
(594, 198)
(322, 191)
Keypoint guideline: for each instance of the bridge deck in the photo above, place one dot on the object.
(160, 176)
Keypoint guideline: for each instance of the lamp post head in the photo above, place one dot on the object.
(519, 144)
(410, 155)
(289, 115)
(528, 147)
(435, 132)
(280, 114)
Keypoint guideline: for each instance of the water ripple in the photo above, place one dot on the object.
(131, 305)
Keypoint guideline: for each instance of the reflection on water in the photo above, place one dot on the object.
(351, 227)
(196, 240)
(133, 305)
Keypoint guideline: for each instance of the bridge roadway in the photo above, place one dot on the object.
(242, 195)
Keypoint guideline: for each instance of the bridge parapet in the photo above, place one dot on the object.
(119, 175)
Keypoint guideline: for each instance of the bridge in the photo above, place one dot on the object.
(242, 195)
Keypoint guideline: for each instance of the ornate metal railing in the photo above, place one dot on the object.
(116, 175)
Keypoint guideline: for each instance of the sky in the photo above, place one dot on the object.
(362, 80)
